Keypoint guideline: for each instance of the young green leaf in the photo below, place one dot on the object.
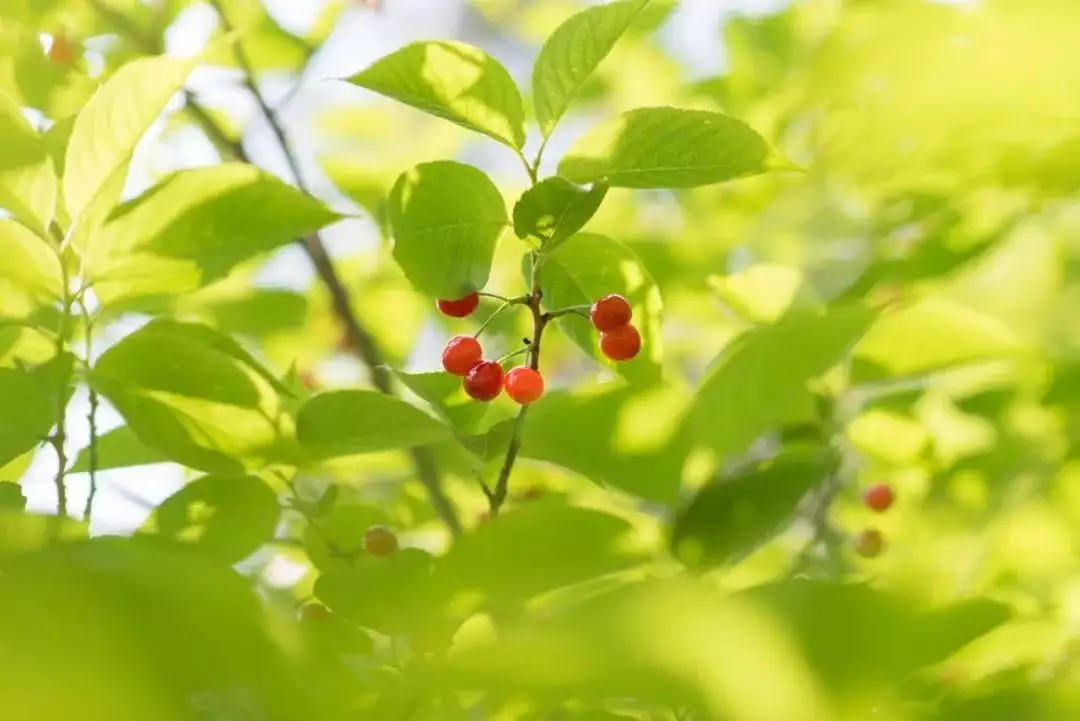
(554, 209)
(118, 448)
(447, 219)
(29, 262)
(573, 52)
(32, 412)
(110, 126)
(444, 392)
(618, 437)
(195, 227)
(226, 517)
(198, 403)
(666, 148)
(730, 518)
(519, 556)
(760, 379)
(28, 185)
(344, 423)
(591, 267)
(932, 335)
(454, 81)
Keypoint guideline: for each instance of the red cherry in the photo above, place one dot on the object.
(461, 353)
(878, 497)
(870, 543)
(484, 381)
(380, 541)
(63, 51)
(459, 308)
(524, 385)
(610, 312)
(621, 344)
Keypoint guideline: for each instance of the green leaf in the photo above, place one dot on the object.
(444, 392)
(591, 267)
(855, 636)
(110, 126)
(226, 517)
(447, 219)
(11, 497)
(555, 209)
(13, 471)
(388, 595)
(118, 448)
(194, 228)
(666, 148)
(197, 403)
(760, 379)
(731, 517)
(33, 399)
(518, 556)
(343, 423)
(573, 52)
(934, 334)
(29, 262)
(454, 81)
(28, 185)
(618, 437)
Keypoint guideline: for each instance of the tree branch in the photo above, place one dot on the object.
(497, 497)
(359, 339)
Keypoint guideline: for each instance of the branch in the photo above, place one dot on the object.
(91, 416)
(497, 498)
(360, 341)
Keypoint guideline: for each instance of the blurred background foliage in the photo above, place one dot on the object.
(909, 299)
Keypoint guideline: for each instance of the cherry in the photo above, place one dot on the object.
(380, 541)
(461, 353)
(610, 312)
(459, 308)
(484, 381)
(62, 51)
(524, 385)
(878, 497)
(870, 543)
(621, 344)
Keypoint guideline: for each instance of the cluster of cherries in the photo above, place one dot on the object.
(871, 543)
(485, 379)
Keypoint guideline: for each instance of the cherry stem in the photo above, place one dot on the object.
(514, 354)
(506, 303)
(582, 310)
(497, 497)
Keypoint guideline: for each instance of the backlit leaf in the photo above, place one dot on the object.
(666, 148)
(454, 81)
(28, 184)
(555, 209)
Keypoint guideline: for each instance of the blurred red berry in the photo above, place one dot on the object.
(380, 541)
(621, 344)
(878, 497)
(461, 353)
(459, 308)
(870, 543)
(63, 51)
(524, 385)
(484, 381)
(610, 312)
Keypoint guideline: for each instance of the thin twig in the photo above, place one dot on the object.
(359, 339)
(91, 416)
(497, 497)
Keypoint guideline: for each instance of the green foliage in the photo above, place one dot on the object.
(455, 81)
(681, 535)
(666, 148)
(571, 54)
(445, 242)
(554, 209)
(347, 422)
